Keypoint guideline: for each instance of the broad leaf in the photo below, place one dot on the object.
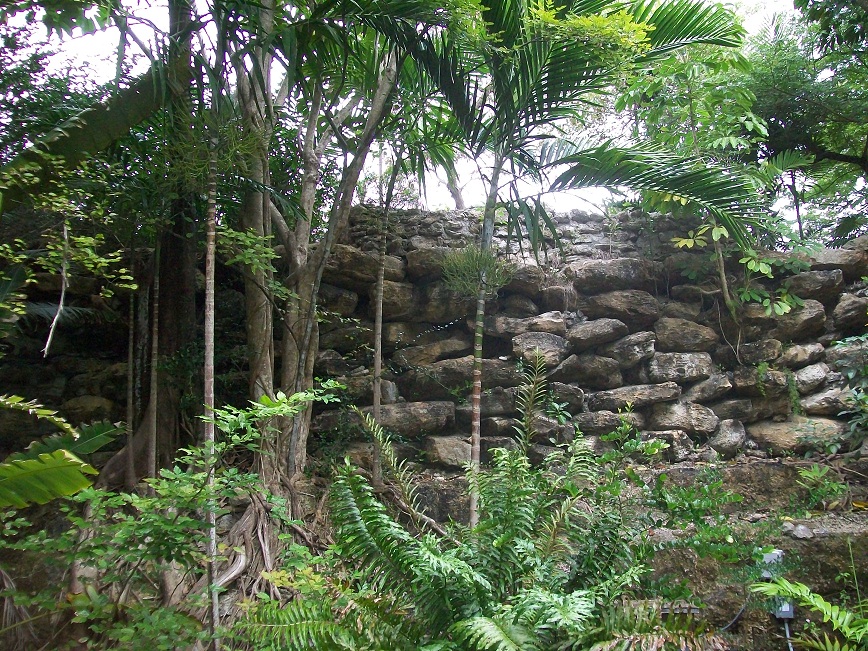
(37, 481)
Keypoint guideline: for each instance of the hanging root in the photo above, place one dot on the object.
(15, 621)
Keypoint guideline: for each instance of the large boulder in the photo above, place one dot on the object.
(527, 280)
(436, 303)
(810, 377)
(598, 423)
(87, 409)
(518, 306)
(349, 268)
(756, 382)
(398, 300)
(729, 439)
(793, 436)
(426, 263)
(690, 417)
(636, 308)
(715, 387)
(734, 408)
(337, 300)
(570, 395)
(680, 444)
(631, 350)
(588, 334)
(800, 323)
(447, 451)
(683, 336)
(596, 276)
(637, 396)
(359, 390)
(851, 262)
(850, 315)
(506, 327)
(414, 420)
(757, 352)
(493, 402)
(348, 338)
(824, 286)
(800, 355)
(552, 348)
(563, 298)
(680, 367)
(427, 354)
(830, 402)
(401, 334)
(452, 378)
(591, 371)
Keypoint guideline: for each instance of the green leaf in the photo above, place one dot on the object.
(37, 481)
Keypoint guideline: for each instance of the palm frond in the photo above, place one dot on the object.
(728, 197)
(678, 23)
(33, 408)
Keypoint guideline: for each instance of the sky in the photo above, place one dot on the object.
(97, 52)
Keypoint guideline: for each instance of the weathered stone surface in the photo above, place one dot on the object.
(850, 353)
(563, 298)
(452, 378)
(448, 451)
(631, 350)
(591, 371)
(436, 303)
(429, 353)
(87, 409)
(638, 395)
(692, 418)
(548, 430)
(76, 285)
(508, 327)
(426, 263)
(788, 436)
(729, 439)
(337, 300)
(823, 286)
(489, 443)
(398, 300)
(498, 427)
(518, 306)
(798, 356)
(414, 420)
(683, 336)
(570, 394)
(748, 381)
(737, 408)
(597, 423)
(360, 390)
(851, 262)
(349, 268)
(331, 363)
(830, 402)
(586, 335)
(527, 281)
(801, 323)
(764, 350)
(809, 378)
(680, 367)
(493, 402)
(347, 339)
(401, 334)
(680, 444)
(596, 276)
(681, 310)
(637, 309)
(851, 314)
(771, 408)
(552, 348)
(716, 386)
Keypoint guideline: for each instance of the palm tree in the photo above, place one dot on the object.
(540, 63)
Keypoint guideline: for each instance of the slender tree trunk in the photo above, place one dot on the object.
(153, 420)
(454, 188)
(131, 479)
(479, 329)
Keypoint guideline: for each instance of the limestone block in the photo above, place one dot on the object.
(715, 387)
(588, 334)
(552, 348)
(729, 439)
(680, 367)
(692, 418)
(788, 437)
(591, 371)
(637, 395)
(631, 350)
(683, 336)
(800, 355)
(809, 378)
(636, 308)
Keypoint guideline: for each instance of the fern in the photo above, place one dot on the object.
(494, 634)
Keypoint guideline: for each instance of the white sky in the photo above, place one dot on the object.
(97, 52)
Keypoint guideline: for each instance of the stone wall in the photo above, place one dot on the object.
(620, 332)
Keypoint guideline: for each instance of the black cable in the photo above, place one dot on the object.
(736, 618)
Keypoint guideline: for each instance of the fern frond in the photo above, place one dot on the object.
(494, 634)
(545, 611)
(531, 399)
(33, 408)
(300, 624)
